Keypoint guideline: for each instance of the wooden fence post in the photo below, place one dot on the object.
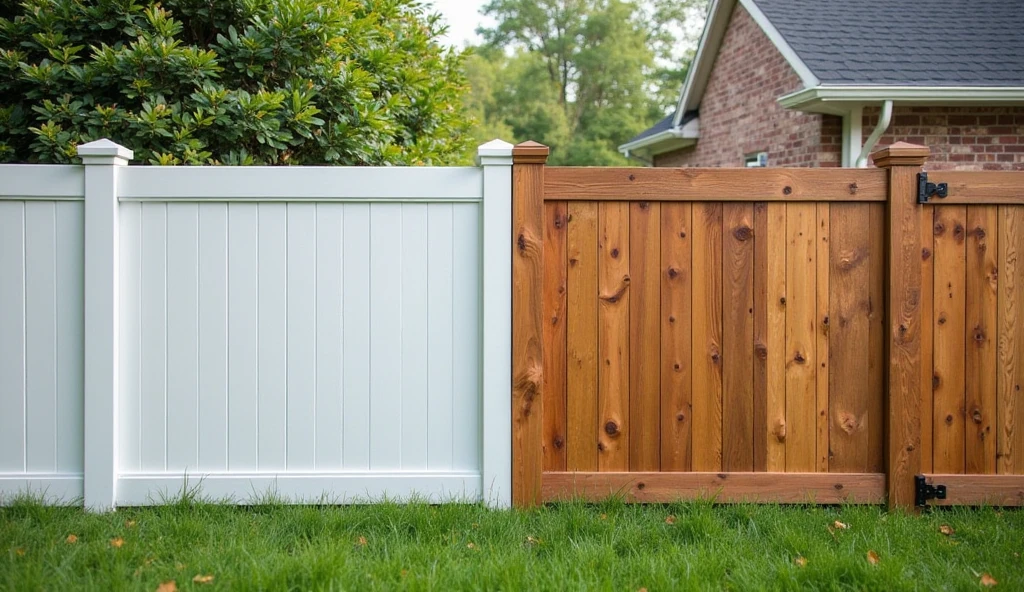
(903, 428)
(102, 159)
(528, 161)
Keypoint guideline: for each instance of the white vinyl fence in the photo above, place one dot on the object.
(313, 333)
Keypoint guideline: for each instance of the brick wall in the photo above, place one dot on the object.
(963, 138)
(739, 114)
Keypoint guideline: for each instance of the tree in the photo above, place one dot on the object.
(230, 81)
(582, 76)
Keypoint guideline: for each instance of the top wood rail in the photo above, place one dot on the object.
(979, 187)
(717, 184)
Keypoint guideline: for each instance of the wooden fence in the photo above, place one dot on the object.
(717, 332)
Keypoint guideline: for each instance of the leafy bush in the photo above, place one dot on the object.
(230, 81)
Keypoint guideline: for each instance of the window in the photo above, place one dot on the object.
(757, 159)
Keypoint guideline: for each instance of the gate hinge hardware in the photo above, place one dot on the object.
(924, 492)
(926, 190)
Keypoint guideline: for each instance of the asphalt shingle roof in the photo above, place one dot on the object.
(664, 124)
(905, 42)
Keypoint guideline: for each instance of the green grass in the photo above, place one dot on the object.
(610, 546)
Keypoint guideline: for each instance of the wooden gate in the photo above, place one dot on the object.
(723, 332)
(973, 343)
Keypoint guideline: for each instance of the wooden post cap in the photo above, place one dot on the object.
(900, 154)
(530, 152)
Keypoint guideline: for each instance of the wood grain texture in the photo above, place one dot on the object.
(849, 338)
(1010, 362)
(821, 334)
(980, 187)
(714, 184)
(948, 339)
(878, 350)
(980, 371)
(707, 337)
(979, 490)
(737, 337)
(775, 372)
(644, 336)
(760, 377)
(527, 332)
(801, 385)
(676, 286)
(582, 420)
(613, 335)
(927, 312)
(731, 487)
(554, 296)
(903, 311)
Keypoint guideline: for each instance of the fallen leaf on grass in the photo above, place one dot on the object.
(201, 579)
(604, 516)
(470, 546)
(988, 581)
(129, 523)
(532, 541)
(641, 590)
(117, 543)
(361, 541)
(840, 525)
(71, 540)
(19, 552)
(873, 558)
(946, 530)
(670, 519)
(801, 561)
(168, 586)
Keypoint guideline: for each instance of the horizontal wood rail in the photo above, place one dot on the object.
(979, 187)
(792, 488)
(977, 490)
(718, 184)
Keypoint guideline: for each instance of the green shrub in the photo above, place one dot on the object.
(346, 82)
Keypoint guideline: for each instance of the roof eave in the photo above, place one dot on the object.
(836, 98)
(665, 141)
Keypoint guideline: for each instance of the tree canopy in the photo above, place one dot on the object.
(230, 81)
(582, 76)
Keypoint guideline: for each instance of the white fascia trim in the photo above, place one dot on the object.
(806, 76)
(925, 94)
(690, 131)
(713, 32)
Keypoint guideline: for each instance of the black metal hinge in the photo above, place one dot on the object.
(926, 190)
(924, 492)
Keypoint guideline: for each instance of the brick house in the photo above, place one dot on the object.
(806, 83)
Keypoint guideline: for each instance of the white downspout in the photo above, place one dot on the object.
(883, 124)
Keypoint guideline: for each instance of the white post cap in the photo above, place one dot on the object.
(104, 151)
(495, 152)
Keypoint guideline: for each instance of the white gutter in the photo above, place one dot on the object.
(883, 124)
(906, 94)
(677, 135)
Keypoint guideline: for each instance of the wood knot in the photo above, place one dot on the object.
(558, 442)
(676, 366)
(782, 301)
(799, 358)
(641, 485)
(926, 253)
(978, 232)
(942, 320)
(958, 233)
(632, 177)
(851, 259)
(939, 229)
(521, 242)
(979, 336)
(573, 262)
(743, 233)
(976, 416)
(611, 428)
(936, 382)
(715, 356)
(824, 321)
(949, 419)
(838, 486)
(848, 422)
(645, 205)
(723, 476)
(559, 221)
(680, 417)
(600, 447)
(682, 234)
(671, 319)
(673, 273)
(780, 431)
(853, 188)
(787, 190)
(761, 351)
(615, 253)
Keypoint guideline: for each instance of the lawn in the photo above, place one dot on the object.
(610, 546)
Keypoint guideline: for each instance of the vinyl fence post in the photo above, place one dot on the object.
(527, 321)
(102, 160)
(903, 426)
(496, 159)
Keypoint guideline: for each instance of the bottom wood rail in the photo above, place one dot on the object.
(792, 488)
(978, 490)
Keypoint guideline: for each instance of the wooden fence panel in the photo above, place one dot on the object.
(737, 337)
(948, 339)
(582, 322)
(676, 360)
(644, 336)
(706, 319)
(1010, 363)
(613, 335)
(980, 324)
(554, 297)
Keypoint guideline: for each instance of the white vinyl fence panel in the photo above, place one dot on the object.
(311, 333)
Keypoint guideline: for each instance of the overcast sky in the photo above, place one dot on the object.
(463, 18)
